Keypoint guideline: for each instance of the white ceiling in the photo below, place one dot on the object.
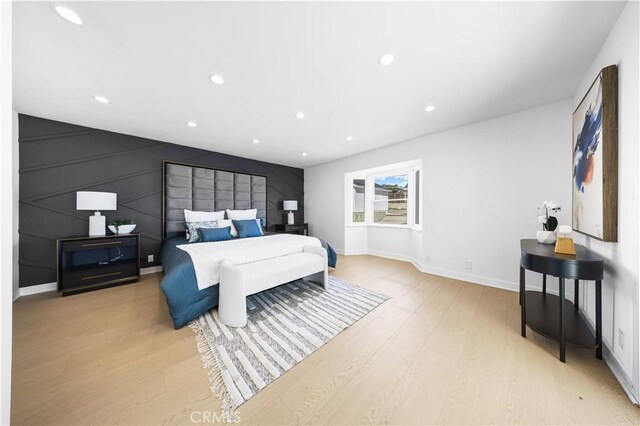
(473, 61)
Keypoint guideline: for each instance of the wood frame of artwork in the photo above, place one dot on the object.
(608, 81)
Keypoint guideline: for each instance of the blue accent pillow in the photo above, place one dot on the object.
(248, 228)
(208, 235)
(192, 229)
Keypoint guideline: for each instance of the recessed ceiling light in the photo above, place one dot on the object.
(101, 99)
(386, 59)
(349, 138)
(430, 108)
(192, 124)
(256, 141)
(68, 14)
(217, 79)
(304, 154)
(300, 114)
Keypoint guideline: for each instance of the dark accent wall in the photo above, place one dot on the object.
(57, 159)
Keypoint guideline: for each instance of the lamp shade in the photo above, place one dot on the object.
(90, 200)
(290, 205)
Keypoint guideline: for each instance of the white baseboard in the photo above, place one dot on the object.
(151, 270)
(389, 255)
(463, 276)
(353, 252)
(614, 365)
(616, 368)
(45, 288)
(37, 289)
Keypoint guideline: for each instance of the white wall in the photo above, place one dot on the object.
(620, 296)
(6, 211)
(15, 204)
(481, 186)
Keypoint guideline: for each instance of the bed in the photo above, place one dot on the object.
(184, 299)
(188, 186)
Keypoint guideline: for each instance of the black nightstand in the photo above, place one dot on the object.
(297, 228)
(90, 263)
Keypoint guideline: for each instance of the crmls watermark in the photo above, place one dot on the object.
(208, 417)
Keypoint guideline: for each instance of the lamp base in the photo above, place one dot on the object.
(290, 220)
(97, 225)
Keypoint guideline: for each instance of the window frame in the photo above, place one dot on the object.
(414, 195)
(352, 201)
(371, 180)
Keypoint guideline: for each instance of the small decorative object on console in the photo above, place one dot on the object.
(122, 226)
(549, 223)
(564, 245)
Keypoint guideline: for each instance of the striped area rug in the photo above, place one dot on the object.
(285, 325)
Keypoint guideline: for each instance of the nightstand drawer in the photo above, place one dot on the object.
(99, 243)
(99, 275)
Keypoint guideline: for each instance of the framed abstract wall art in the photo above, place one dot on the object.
(595, 159)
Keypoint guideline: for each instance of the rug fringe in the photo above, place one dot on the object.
(216, 383)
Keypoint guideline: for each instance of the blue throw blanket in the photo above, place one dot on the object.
(332, 257)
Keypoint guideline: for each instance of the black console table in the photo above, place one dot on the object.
(543, 312)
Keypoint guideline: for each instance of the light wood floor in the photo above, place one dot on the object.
(440, 351)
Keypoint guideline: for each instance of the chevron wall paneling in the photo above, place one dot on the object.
(57, 159)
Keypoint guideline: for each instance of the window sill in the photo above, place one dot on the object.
(382, 225)
(388, 225)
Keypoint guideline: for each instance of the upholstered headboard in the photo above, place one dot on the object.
(186, 186)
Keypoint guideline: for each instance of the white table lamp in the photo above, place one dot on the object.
(291, 205)
(96, 201)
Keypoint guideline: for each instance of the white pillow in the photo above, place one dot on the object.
(196, 216)
(225, 223)
(242, 214)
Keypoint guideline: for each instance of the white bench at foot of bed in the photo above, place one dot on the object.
(238, 282)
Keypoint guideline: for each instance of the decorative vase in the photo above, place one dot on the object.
(122, 229)
(546, 237)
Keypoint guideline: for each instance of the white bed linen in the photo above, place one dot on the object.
(206, 257)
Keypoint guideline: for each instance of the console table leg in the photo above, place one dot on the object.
(599, 319)
(576, 294)
(544, 283)
(523, 325)
(562, 343)
(521, 281)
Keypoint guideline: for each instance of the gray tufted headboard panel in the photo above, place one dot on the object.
(186, 186)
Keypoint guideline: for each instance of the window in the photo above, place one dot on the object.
(385, 196)
(390, 199)
(358, 201)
